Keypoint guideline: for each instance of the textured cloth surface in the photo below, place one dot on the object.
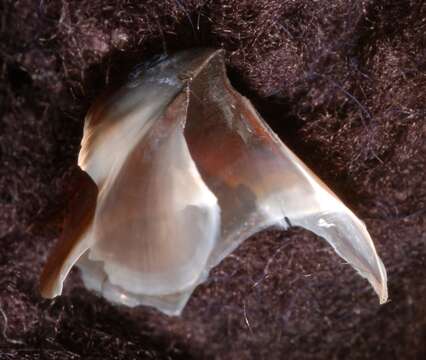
(342, 82)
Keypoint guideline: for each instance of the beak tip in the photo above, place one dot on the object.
(48, 290)
(383, 293)
(380, 287)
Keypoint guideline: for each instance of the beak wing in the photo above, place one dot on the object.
(260, 182)
(74, 240)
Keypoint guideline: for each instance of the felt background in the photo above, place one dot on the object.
(342, 82)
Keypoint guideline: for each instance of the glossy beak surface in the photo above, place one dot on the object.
(187, 170)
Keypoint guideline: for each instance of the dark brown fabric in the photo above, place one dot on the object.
(342, 82)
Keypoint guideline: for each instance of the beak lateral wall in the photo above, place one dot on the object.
(187, 170)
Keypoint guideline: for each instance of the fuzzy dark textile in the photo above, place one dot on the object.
(342, 82)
